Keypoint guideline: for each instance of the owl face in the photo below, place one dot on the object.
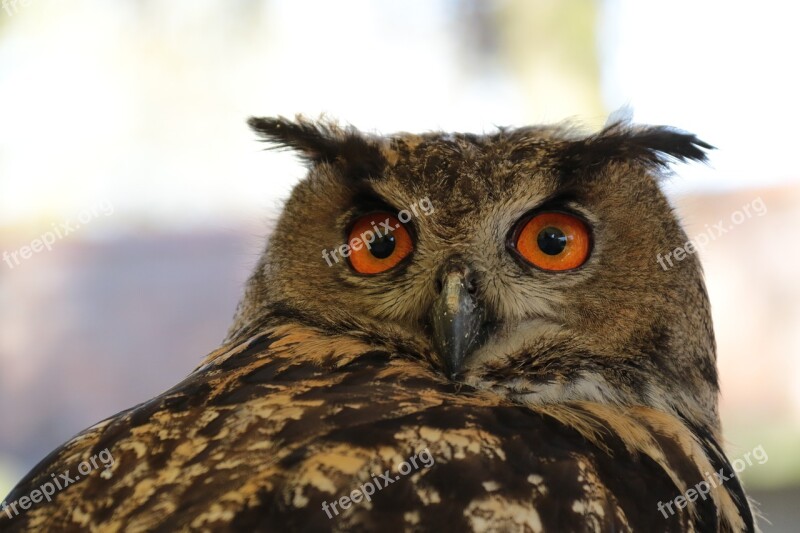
(521, 262)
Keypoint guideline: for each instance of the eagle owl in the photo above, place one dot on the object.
(445, 331)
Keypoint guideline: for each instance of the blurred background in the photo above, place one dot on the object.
(134, 201)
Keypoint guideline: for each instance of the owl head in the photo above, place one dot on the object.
(522, 262)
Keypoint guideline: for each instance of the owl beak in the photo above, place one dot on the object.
(456, 319)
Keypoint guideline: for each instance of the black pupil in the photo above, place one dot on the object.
(383, 246)
(551, 241)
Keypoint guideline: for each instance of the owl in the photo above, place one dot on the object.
(444, 332)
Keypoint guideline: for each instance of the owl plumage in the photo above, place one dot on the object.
(549, 400)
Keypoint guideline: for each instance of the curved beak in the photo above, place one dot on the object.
(456, 319)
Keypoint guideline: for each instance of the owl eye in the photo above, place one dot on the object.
(378, 241)
(553, 241)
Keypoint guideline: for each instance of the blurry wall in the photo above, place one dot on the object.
(122, 130)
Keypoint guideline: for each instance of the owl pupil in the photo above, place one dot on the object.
(383, 246)
(551, 241)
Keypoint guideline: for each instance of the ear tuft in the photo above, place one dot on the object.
(656, 146)
(324, 142)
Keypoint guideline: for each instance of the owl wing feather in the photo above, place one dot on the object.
(269, 431)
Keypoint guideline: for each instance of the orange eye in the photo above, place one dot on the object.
(554, 241)
(378, 242)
